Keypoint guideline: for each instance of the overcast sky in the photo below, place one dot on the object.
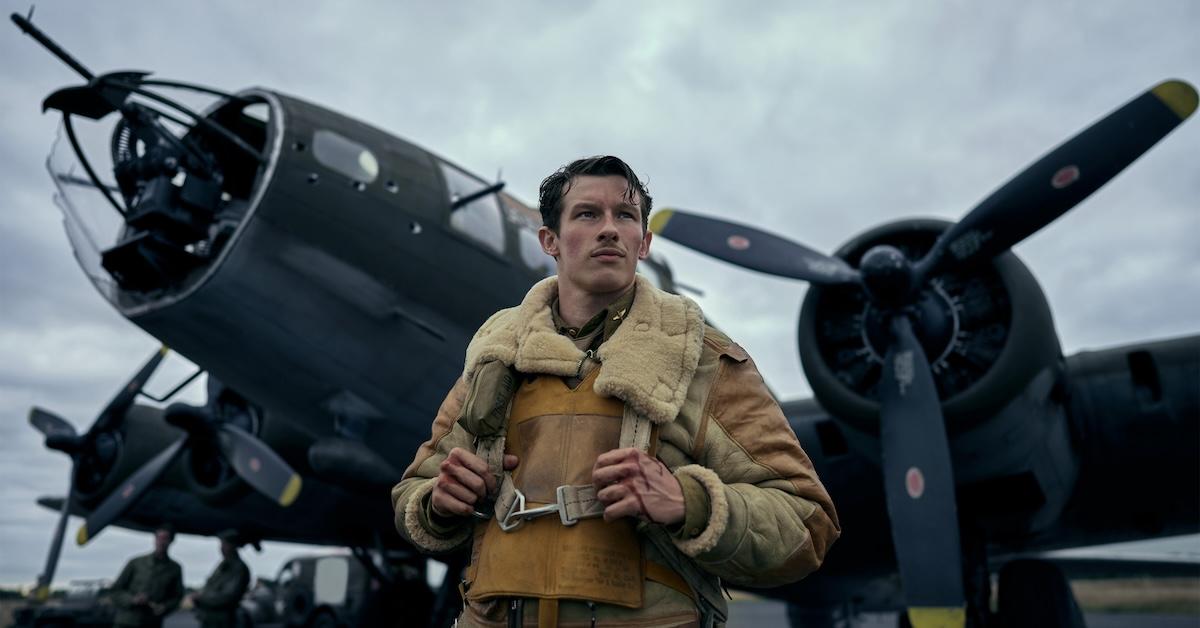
(816, 120)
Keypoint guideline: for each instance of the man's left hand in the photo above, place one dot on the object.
(632, 484)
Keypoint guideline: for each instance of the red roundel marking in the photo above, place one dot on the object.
(738, 243)
(1064, 177)
(255, 465)
(914, 482)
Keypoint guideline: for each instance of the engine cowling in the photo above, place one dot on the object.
(997, 364)
(1000, 334)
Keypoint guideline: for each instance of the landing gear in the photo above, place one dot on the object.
(1035, 593)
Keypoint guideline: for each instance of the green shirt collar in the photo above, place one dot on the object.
(610, 317)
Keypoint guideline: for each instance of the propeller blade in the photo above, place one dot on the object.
(46, 578)
(751, 248)
(49, 424)
(257, 464)
(128, 492)
(1063, 177)
(919, 484)
(116, 409)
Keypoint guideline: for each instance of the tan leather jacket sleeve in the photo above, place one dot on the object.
(771, 521)
(410, 496)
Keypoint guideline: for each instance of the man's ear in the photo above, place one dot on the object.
(549, 241)
(644, 247)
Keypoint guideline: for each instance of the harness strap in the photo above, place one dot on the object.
(574, 502)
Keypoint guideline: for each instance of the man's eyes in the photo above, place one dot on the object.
(589, 214)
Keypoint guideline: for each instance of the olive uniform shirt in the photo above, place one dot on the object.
(159, 579)
(217, 603)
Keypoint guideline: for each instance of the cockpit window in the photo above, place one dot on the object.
(480, 219)
(345, 156)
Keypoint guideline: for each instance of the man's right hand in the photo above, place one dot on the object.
(463, 480)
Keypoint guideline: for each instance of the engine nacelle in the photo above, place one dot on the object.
(996, 361)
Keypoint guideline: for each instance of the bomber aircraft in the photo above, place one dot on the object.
(284, 248)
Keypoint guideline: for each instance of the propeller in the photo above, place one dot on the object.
(252, 459)
(751, 248)
(61, 435)
(917, 470)
(1062, 178)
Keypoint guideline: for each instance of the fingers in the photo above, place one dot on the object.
(476, 483)
(614, 466)
(616, 455)
(471, 465)
(629, 506)
(443, 503)
(463, 478)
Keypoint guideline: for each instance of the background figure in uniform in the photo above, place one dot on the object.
(607, 456)
(150, 587)
(217, 603)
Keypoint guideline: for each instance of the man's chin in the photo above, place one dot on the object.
(609, 283)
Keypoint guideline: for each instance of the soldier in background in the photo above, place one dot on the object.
(150, 587)
(217, 603)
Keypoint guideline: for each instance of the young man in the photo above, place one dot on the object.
(217, 603)
(607, 456)
(150, 587)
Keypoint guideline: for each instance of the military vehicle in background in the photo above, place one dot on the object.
(326, 590)
(85, 603)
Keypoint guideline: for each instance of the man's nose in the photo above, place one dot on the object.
(608, 227)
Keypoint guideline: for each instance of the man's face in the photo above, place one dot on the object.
(162, 540)
(600, 237)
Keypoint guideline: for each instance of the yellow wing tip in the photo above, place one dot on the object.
(937, 616)
(81, 537)
(1177, 95)
(290, 492)
(659, 220)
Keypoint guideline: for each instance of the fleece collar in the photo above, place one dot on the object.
(648, 363)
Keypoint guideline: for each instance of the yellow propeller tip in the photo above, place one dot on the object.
(41, 594)
(659, 220)
(1180, 97)
(81, 537)
(163, 350)
(937, 616)
(290, 492)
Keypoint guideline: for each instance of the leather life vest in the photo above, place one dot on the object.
(558, 432)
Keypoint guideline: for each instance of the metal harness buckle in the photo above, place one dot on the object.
(517, 513)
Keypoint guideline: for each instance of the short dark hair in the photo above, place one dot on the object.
(555, 186)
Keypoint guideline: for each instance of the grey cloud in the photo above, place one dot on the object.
(814, 121)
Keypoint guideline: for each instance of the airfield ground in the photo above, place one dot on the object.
(1125, 603)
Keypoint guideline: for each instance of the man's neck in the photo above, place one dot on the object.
(577, 307)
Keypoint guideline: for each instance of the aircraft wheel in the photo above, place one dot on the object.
(1036, 593)
(323, 619)
(297, 607)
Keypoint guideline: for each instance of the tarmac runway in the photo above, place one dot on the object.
(768, 614)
